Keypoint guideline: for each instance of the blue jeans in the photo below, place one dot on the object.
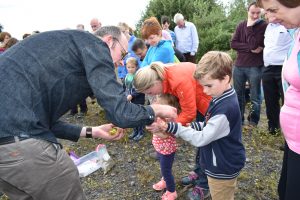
(166, 163)
(240, 76)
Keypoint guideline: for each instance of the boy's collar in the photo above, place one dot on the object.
(224, 95)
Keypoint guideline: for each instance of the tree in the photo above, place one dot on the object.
(209, 18)
(237, 13)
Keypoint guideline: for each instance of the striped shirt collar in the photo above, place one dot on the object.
(226, 94)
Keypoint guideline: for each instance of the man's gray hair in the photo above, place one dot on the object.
(114, 31)
(178, 17)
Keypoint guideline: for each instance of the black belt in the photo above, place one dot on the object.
(11, 139)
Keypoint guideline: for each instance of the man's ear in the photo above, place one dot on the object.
(108, 39)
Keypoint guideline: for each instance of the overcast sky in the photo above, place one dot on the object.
(24, 16)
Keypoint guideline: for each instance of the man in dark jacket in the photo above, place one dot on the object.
(248, 41)
(44, 76)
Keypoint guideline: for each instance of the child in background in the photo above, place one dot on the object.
(165, 148)
(219, 138)
(133, 96)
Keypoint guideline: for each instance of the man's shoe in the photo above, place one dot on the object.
(190, 179)
(140, 134)
(198, 193)
(133, 134)
(138, 137)
(169, 195)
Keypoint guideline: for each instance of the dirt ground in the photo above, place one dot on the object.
(135, 171)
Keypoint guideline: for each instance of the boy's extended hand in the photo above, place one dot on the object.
(158, 128)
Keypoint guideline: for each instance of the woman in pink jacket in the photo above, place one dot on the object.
(287, 13)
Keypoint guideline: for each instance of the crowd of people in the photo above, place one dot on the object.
(153, 82)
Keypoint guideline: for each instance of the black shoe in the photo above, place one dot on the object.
(139, 136)
(133, 134)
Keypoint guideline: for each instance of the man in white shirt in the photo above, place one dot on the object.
(187, 40)
(277, 43)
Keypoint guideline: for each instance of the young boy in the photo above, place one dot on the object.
(132, 95)
(219, 139)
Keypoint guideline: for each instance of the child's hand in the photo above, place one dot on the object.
(129, 97)
(158, 126)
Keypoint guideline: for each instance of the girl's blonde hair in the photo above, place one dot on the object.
(147, 76)
(132, 61)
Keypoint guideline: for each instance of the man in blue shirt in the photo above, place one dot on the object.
(187, 40)
(42, 77)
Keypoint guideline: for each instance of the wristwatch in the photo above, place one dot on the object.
(88, 132)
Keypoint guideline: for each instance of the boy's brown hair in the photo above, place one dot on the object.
(150, 27)
(215, 63)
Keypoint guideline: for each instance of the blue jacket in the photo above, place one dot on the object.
(45, 75)
(219, 138)
(162, 52)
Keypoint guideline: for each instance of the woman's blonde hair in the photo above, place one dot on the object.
(146, 76)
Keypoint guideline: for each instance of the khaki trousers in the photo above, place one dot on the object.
(38, 170)
(221, 189)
